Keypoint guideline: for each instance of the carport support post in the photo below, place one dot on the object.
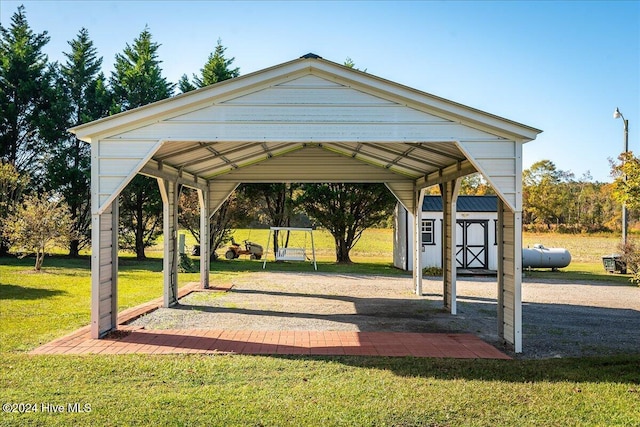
(169, 192)
(449, 191)
(104, 270)
(203, 198)
(510, 276)
(417, 241)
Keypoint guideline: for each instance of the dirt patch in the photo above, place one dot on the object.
(559, 319)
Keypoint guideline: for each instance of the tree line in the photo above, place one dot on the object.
(40, 100)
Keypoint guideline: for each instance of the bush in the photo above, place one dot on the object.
(38, 224)
(432, 271)
(630, 254)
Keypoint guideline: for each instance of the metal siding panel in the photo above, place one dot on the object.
(105, 305)
(105, 287)
(404, 192)
(312, 164)
(105, 323)
(499, 167)
(312, 95)
(307, 114)
(310, 80)
(120, 147)
(305, 131)
(114, 167)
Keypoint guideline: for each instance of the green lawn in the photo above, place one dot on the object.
(277, 391)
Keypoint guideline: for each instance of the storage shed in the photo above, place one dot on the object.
(307, 120)
(476, 233)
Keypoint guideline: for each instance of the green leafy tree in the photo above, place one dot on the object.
(274, 206)
(346, 210)
(475, 185)
(12, 186)
(82, 86)
(136, 81)
(626, 174)
(545, 193)
(40, 223)
(230, 214)
(25, 78)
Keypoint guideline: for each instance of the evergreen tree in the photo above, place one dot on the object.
(69, 168)
(216, 69)
(185, 85)
(136, 81)
(24, 81)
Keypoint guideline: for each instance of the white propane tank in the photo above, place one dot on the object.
(541, 257)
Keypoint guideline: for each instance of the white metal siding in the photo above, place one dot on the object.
(500, 162)
(404, 192)
(510, 277)
(169, 194)
(219, 192)
(114, 164)
(104, 268)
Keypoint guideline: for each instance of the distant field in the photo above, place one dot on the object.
(583, 248)
(376, 245)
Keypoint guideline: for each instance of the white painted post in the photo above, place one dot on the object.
(115, 219)
(501, 268)
(168, 190)
(517, 286)
(449, 192)
(203, 197)
(417, 241)
(104, 270)
(510, 276)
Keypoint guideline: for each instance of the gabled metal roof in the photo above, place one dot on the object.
(226, 130)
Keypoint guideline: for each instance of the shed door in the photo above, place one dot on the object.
(472, 243)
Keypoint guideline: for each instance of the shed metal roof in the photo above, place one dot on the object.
(487, 203)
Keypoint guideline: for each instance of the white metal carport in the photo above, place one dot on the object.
(307, 120)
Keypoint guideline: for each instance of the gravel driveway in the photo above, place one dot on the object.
(559, 319)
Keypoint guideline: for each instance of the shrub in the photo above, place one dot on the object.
(432, 271)
(630, 254)
(39, 223)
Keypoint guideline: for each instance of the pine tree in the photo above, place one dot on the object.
(216, 69)
(137, 81)
(69, 168)
(24, 81)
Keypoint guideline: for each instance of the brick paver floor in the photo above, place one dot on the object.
(135, 340)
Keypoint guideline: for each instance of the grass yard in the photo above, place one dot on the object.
(282, 391)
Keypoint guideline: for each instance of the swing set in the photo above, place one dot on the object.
(293, 253)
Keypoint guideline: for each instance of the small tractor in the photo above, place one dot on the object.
(254, 250)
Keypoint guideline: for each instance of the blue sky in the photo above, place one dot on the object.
(562, 67)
